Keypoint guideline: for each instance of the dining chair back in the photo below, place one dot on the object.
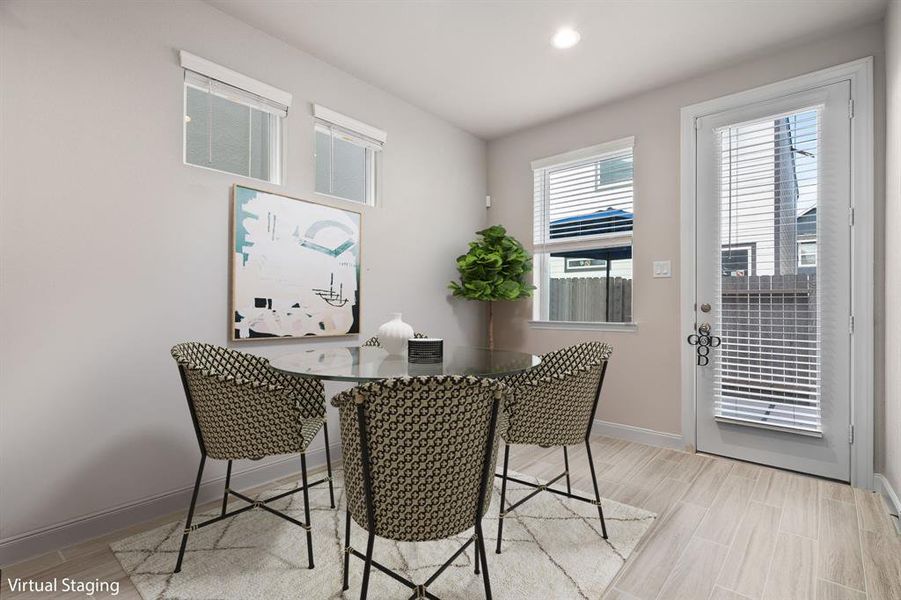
(374, 340)
(241, 408)
(554, 404)
(419, 454)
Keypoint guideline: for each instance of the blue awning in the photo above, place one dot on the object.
(611, 220)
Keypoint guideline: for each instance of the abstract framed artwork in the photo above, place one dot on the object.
(295, 267)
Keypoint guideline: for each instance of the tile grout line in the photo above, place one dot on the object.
(863, 566)
(817, 550)
(769, 568)
(844, 587)
(692, 537)
(648, 535)
(730, 547)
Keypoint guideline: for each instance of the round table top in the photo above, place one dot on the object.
(369, 363)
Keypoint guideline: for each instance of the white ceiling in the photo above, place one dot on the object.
(488, 66)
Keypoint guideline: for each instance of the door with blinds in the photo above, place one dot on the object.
(773, 282)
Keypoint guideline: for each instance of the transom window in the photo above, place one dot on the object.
(583, 221)
(232, 123)
(347, 155)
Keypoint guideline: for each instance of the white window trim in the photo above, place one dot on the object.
(860, 75)
(194, 63)
(349, 123)
(801, 243)
(583, 154)
(585, 325)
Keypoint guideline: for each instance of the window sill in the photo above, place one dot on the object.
(343, 199)
(584, 325)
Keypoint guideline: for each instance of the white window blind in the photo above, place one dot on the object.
(347, 155)
(232, 123)
(237, 95)
(247, 87)
(767, 369)
(583, 198)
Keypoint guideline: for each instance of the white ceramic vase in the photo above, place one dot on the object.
(394, 334)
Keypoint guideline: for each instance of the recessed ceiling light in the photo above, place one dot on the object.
(566, 37)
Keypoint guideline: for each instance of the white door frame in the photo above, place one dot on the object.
(860, 74)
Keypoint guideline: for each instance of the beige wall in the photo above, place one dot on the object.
(891, 466)
(112, 250)
(643, 388)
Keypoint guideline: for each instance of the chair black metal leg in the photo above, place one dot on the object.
(566, 466)
(328, 464)
(597, 494)
(184, 537)
(480, 554)
(367, 567)
(500, 520)
(478, 558)
(228, 480)
(306, 507)
(346, 550)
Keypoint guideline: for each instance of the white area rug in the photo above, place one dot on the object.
(552, 549)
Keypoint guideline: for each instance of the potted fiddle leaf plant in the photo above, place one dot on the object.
(494, 269)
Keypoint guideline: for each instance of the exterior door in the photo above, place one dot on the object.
(773, 282)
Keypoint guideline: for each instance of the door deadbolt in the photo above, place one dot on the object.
(705, 308)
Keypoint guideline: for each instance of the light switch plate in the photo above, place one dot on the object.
(663, 268)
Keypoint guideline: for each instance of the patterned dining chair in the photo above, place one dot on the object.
(243, 409)
(554, 405)
(419, 454)
(374, 340)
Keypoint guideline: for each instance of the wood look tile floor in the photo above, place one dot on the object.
(726, 530)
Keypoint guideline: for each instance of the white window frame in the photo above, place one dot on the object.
(240, 89)
(860, 74)
(801, 244)
(749, 248)
(372, 139)
(541, 251)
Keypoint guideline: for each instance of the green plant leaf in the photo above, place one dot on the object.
(494, 268)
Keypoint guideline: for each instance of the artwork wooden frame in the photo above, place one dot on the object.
(294, 267)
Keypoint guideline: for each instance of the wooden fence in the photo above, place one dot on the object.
(586, 299)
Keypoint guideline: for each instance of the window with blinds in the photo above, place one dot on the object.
(767, 369)
(232, 122)
(347, 155)
(583, 219)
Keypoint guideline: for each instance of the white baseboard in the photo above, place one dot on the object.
(640, 435)
(884, 487)
(21, 547)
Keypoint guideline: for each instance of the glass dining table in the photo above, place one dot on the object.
(370, 363)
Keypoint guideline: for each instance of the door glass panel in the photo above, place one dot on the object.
(767, 369)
